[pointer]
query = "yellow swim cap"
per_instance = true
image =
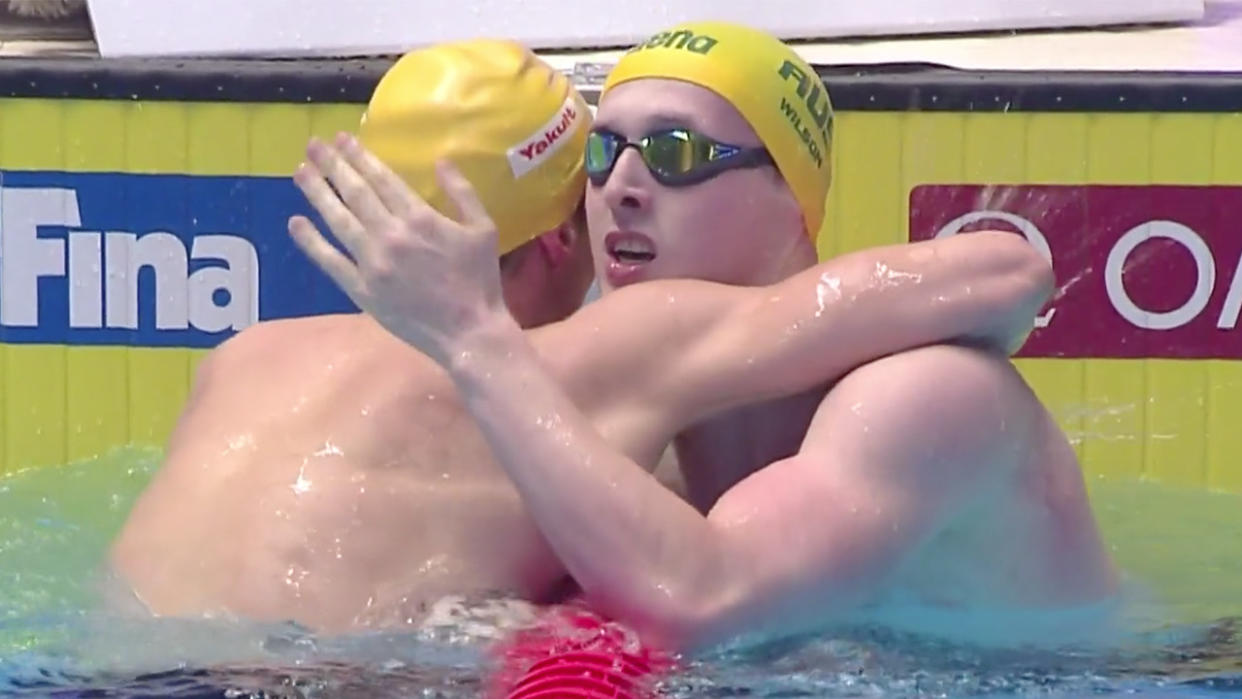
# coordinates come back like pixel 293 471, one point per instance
pixel 778 93
pixel 514 126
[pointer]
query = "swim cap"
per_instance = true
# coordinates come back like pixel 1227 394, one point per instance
pixel 778 93
pixel 515 128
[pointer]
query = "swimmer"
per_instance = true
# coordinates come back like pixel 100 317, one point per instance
pixel 324 472
pixel 833 463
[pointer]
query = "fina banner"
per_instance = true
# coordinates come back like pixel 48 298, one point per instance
pixel 151 260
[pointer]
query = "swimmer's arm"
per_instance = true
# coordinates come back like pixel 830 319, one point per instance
pixel 880 473
pixel 635 549
pixel 827 523
pixel 981 289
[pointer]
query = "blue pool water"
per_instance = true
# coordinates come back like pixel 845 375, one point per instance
pixel 1179 547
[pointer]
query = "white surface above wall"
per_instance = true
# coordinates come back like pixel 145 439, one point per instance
pixel 1212 45
pixel 358 27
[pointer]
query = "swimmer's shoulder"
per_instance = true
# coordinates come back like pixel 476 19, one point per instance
pixel 281 342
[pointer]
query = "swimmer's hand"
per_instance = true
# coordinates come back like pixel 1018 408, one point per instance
pixel 425 277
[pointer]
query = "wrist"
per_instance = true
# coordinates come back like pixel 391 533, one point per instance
pixel 493 336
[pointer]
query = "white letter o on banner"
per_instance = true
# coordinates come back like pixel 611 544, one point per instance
pixel 1205 275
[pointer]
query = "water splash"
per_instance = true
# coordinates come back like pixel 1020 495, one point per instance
pixel 827 291
pixel 889 277
pixel 301 484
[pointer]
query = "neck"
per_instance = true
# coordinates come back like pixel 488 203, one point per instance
pixel 717 454
pixel 781 265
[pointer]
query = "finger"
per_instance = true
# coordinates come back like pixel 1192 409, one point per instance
pixel 345 226
pixel 341 270
pixel 355 191
pixel 396 196
pixel 462 194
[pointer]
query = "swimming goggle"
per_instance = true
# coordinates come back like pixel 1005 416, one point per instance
pixel 675 157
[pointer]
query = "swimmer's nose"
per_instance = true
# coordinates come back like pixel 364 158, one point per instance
pixel 629 184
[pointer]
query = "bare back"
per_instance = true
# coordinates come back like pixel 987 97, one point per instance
pixel 325 472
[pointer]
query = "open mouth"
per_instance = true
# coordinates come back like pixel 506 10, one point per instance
pixel 630 248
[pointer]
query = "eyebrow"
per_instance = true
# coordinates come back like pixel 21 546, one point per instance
pixel 666 119
pixel 660 119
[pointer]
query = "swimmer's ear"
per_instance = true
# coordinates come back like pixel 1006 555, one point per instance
pixel 557 245
pixel 790 210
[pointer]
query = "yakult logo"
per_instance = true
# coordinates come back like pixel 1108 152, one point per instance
pixel 546 140
pixel 1142 271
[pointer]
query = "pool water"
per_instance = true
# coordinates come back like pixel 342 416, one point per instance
pixel 1180 550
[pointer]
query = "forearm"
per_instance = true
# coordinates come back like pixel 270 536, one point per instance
pixel 639 552
pixel 983 289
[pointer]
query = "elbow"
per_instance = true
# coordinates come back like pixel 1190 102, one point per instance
pixel 677 623
pixel 678 628
pixel 1026 274
pixel 1023 283
pixel 1036 277
pixel 700 602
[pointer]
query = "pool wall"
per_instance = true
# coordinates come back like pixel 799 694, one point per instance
pixel 143 208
